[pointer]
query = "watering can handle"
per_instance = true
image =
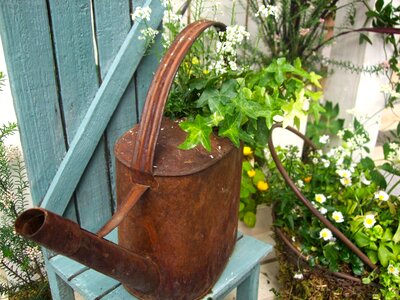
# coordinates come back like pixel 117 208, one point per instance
pixel 306 202
pixel 157 95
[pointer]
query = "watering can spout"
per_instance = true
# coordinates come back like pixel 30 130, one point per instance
pixel 67 238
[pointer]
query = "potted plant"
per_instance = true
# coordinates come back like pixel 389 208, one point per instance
pixel 348 190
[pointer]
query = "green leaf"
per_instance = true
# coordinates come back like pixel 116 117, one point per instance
pixel 250 219
pixel 389 168
pixel 372 255
pixel 396 236
pixel 368 163
pixel 378 179
pixel 384 255
pixel 230 128
pixel 362 240
pixel 198 133
pixel 314 78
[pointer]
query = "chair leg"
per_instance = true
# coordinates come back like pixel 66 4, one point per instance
pixel 248 289
pixel 60 290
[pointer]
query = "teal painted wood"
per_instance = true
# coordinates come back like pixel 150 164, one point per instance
pixel 248 289
pixel 112 23
pixel 74 53
pixel 59 289
pixel 98 115
pixel 93 285
pixel 247 254
pixel 29 56
pixel 242 271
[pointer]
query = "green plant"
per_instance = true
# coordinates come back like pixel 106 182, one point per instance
pixel 20 259
pixel 347 187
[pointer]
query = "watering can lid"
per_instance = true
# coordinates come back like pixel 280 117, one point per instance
pixel 169 160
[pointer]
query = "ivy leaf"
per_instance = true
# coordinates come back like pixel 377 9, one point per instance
pixel 230 128
pixel 367 163
pixel 212 97
pixel 378 179
pixel 198 133
pixel 314 78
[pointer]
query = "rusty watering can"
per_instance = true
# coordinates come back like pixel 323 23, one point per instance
pixel 177 210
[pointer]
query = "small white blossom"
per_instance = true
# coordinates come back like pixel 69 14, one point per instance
pixel 369 221
pixel 298 275
pixel 381 195
pixel 325 234
pixel 320 198
pixel 340 134
pixel 325 162
pixel 142 13
pixel 266 11
pixel 345 181
pixel 323 210
pixel 148 34
pixel 315 160
pixel 233 65
pixel 338 217
pixel 344 173
pixel 300 183
pixel 324 139
pixel 393 270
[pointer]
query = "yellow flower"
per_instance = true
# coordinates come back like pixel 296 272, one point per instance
pixel 247 151
pixel 195 60
pixel 206 72
pixel 307 179
pixel 262 186
pixel 251 173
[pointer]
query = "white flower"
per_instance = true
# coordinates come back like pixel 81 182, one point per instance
pixel 325 162
pixel 381 195
pixel 369 221
pixel 233 65
pixel 323 210
pixel 393 270
pixel 337 216
pixel 344 173
pixel 364 180
pixel 324 139
pixel 320 198
pixel 278 118
pixel 300 183
pixel 315 160
pixel 165 3
pixel 148 34
pixel 345 181
pixel 142 13
pixel 340 134
pixel 298 275
pixel 266 11
pixel 236 34
pixel 325 234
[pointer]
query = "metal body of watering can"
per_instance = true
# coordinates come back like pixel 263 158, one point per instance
pixel 177 210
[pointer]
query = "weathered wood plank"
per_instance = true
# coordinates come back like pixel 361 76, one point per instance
pixel 113 22
pixel 74 52
pixel 98 114
pixel 93 285
pixel 29 56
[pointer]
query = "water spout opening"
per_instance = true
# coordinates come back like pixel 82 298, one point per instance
pixel 30 222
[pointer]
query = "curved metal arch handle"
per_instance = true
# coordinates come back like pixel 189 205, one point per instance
pixel 143 154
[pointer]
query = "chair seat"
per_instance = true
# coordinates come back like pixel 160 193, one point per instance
pixel 93 285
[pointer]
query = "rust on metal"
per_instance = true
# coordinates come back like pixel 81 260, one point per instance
pixel 177 210
pixel 67 238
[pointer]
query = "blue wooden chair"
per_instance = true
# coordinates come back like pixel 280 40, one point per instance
pixel 79 77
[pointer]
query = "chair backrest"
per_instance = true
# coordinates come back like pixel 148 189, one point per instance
pixel 79 76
